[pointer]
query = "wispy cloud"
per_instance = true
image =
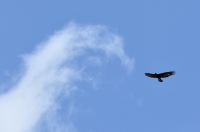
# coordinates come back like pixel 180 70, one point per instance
pixel 51 71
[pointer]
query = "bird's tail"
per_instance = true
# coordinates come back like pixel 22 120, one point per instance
pixel 160 80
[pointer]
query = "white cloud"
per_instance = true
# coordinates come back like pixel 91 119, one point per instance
pixel 51 70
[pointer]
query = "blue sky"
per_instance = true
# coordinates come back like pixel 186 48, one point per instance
pixel 78 66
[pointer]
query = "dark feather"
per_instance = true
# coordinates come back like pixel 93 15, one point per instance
pixel 160 75
pixel 166 74
pixel 151 75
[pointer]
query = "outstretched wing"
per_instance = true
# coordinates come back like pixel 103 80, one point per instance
pixel 166 74
pixel 151 75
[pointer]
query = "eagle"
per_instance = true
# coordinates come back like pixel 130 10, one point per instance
pixel 160 75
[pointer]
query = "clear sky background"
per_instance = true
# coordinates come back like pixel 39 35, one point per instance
pixel 87 75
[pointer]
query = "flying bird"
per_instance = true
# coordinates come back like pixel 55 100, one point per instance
pixel 160 75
